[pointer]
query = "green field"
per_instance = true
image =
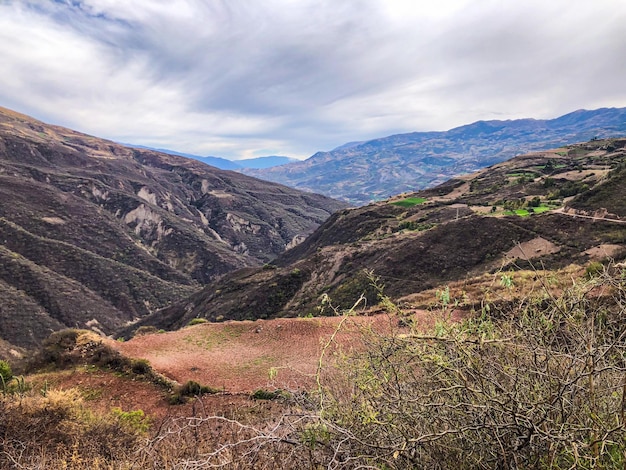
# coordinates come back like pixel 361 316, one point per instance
pixel 410 202
pixel 526 212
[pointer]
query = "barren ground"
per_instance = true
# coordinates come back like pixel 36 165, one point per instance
pixel 245 356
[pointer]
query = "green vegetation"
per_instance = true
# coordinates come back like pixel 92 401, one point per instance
pixel 568 189
pixel 593 269
pixel 135 421
pixel 263 394
pixel 410 202
pixel 197 321
pixel 542 208
pixel 6 375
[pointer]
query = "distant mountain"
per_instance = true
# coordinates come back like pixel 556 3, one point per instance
pixel 265 162
pixel 360 172
pixel 217 162
pixel 94 234
pixel 545 210
pixel 225 164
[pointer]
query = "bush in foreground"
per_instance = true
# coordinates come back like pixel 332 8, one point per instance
pixel 541 386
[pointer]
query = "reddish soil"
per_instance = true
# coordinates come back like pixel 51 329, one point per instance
pixel 104 390
pixel 239 356
pixel 234 356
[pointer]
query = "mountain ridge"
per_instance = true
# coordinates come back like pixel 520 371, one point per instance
pixel 94 234
pixel 361 172
pixel 224 163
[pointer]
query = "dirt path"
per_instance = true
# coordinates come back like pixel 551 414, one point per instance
pixel 561 210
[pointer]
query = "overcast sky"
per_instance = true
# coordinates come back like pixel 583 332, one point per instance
pixel 246 78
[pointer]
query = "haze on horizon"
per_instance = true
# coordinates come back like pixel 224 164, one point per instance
pixel 243 78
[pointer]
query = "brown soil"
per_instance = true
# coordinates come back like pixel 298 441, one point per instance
pixel 532 249
pixel 245 356
pixel 603 251
pixel 103 390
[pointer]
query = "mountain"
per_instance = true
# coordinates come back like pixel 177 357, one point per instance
pixel 361 172
pixel 223 163
pixel 217 162
pixel 546 209
pixel 96 234
pixel 265 162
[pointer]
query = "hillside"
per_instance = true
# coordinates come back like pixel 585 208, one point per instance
pixel 95 234
pixel 361 172
pixel 547 209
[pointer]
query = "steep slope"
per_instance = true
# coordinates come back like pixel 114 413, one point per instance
pixel 93 233
pixel 547 209
pixel 362 172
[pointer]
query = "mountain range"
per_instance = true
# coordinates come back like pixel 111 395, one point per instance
pixel 225 164
pixel 362 172
pixel 95 234
pixel 544 210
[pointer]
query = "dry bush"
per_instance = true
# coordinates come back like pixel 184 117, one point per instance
pixel 72 347
pixel 541 386
pixel 538 384
pixel 55 430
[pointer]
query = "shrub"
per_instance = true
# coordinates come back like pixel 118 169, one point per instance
pixel 190 389
pixel 263 394
pixel 140 367
pixel 135 421
pixel 146 330
pixel 56 430
pixel 6 374
pixel 197 321
pixel 537 386
pixel 593 269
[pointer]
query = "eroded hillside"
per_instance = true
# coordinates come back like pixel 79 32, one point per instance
pixel 95 234
pixel 547 209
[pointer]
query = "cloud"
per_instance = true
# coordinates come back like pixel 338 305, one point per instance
pixel 243 77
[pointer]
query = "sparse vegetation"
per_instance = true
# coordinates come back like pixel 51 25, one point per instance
pixel 263 394
pixel 537 386
pixel 535 383
pixel 146 330
pixel 190 389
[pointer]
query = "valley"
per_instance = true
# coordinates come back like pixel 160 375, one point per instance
pixel 95 235
pixel 194 323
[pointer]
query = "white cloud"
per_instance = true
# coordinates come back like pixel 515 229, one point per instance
pixel 243 77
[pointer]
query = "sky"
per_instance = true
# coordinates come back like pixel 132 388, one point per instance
pixel 248 78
